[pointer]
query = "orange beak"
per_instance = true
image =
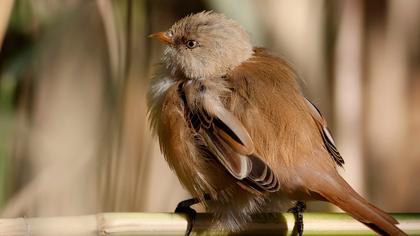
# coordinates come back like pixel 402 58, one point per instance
pixel 162 37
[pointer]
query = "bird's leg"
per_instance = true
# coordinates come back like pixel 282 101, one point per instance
pixel 185 207
pixel 297 211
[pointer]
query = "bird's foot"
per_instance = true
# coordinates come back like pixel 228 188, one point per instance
pixel 297 211
pixel 185 208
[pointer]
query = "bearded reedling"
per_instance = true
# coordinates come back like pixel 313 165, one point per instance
pixel 233 124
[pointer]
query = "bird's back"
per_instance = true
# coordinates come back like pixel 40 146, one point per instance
pixel 272 108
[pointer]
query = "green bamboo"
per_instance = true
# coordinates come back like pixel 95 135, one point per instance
pixel 176 224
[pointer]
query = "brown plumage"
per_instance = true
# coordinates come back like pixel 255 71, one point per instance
pixel 233 123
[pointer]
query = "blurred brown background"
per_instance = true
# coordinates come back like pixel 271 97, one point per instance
pixel 74 136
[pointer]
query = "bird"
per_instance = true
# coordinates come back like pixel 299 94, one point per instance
pixel 236 128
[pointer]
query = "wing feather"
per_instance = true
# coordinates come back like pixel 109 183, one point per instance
pixel 325 133
pixel 228 140
pixel 238 165
pixel 235 150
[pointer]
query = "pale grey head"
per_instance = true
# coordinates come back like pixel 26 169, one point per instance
pixel 204 45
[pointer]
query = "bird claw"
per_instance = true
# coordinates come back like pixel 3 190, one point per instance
pixel 297 211
pixel 184 207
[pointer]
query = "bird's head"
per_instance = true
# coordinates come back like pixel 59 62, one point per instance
pixel 204 45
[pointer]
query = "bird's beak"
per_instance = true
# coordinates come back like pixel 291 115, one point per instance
pixel 162 37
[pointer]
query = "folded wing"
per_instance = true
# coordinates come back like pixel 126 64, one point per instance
pixel 229 141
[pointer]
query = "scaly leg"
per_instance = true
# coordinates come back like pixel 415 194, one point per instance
pixel 297 211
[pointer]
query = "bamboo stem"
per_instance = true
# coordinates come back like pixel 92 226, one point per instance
pixel 176 224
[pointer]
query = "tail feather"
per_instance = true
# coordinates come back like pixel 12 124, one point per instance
pixel 343 196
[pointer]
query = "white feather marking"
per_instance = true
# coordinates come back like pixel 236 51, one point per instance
pixel 314 109
pixel 329 136
pixel 247 166
pixel 160 88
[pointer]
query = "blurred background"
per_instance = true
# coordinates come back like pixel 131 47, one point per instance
pixel 74 135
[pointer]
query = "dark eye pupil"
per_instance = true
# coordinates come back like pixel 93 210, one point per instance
pixel 191 44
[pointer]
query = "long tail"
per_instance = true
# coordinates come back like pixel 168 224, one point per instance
pixel 343 196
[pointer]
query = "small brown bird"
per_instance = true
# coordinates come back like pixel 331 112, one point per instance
pixel 233 124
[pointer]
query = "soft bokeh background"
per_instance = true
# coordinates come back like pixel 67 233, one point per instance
pixel 74 136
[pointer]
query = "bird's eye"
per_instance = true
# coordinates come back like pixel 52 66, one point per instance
pixel 191 44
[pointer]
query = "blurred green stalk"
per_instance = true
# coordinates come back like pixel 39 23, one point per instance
pixel 7 86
